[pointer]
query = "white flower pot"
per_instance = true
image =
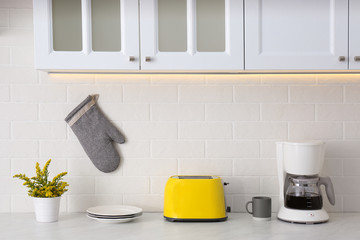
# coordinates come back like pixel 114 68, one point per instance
pixel 47 209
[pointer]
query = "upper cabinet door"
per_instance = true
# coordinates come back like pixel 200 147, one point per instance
pixel 86 34
pixel 354 34
pixel 293 34
pixel 191 34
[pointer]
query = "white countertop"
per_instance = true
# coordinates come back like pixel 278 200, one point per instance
pixel 152 226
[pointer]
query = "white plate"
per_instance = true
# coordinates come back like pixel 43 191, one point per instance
pixel 114 210
pixel 121 220
pixel 115 216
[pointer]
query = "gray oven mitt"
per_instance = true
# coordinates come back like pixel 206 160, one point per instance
pixel 95 134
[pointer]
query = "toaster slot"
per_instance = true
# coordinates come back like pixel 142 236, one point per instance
pixel 194 177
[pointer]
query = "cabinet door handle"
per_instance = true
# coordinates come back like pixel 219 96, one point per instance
pixel 131 59
pixel 147 59
pixel 341 58
pixel 357 58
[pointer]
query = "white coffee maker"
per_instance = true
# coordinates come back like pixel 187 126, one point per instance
pixel 299 166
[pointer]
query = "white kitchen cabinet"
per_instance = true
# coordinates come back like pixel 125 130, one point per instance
pixel 114 35
pixel 191 34
pixel 73 35
pixel 296 35
pixel 354 34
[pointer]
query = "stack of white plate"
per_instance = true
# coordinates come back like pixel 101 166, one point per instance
pixel 114 213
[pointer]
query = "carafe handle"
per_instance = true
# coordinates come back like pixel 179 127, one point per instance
pixel 329 188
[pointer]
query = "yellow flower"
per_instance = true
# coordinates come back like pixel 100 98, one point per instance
pixel 39 186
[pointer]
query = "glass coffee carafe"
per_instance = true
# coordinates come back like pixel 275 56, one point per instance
pixel 303 192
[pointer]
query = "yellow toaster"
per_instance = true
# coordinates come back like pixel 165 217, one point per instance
pixel 194 199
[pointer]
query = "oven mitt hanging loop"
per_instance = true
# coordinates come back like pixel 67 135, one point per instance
pixel 96 134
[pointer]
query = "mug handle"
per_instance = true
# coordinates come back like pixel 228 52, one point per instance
pixel 246 206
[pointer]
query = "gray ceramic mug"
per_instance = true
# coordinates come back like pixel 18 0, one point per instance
pixel 261 208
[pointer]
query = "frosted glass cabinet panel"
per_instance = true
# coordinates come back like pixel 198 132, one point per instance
pixel 210 25
pixel 87 35
pixel 306 34
pixel 105 25
pixel 160 35
pixel 172 25
pixel 191 34
pixel 66 20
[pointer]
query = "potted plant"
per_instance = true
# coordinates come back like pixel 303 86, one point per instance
pixel 46 193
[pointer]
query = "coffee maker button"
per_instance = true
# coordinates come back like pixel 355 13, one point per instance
pixel 311 215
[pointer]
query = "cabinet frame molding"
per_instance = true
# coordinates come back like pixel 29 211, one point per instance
pixel 258 59
pixel 231 59
pixel 87 59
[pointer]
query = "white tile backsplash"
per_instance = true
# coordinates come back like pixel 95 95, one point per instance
pixel 142 130
pixel 269 185
pixel 81 185
pixel 232 112
pixel 21 18
pixel 352 130
pixel 126 112
pixel 261 94
pixel 21 4
pixel 288 79
pixel 255 167
pixel 54 111
pixel 219 124
pixel 17 37
pixel 5 203
pixel 342 149
pixel 18 75
pixel 316 94
pixel 352 94
pixel 216 166
pixel 337 79
pixel 19 148
pixel 150 94
pixel 5 182
pixel 5 169
pixel 121 185
pixel 4 52
pixel 242 185
pixel 177 112
pixel 22 56
pixel 18 111
pixel 205 94
pixel 4 17
pixel 149 202
pixel 38 130
pixel 232 149
pixel 202 130
pixel 351 167
pixel 316 130
pixel 134 148
pixel 351 203
pixel 233 79
pixel 338 112
pixel 177 149
pixel 80 203
pixel 149 166
pixel 84 167
pixel 27 166
pixel 260 130
pixel 157 185
pixel 287 112
pixel 107 93
pixel 4 130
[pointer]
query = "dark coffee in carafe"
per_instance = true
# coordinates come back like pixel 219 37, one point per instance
pixel 303 202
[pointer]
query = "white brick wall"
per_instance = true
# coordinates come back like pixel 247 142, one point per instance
pixel 224 125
